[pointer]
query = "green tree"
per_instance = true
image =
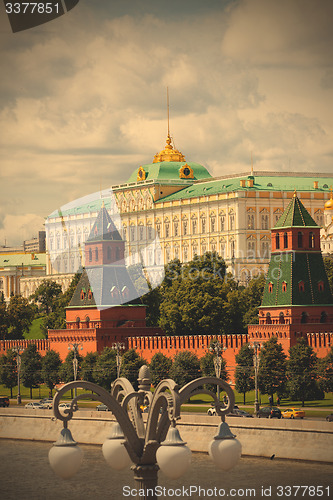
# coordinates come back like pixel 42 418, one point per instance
pixel 88 366
pixel 4 319
pixel 51 364
pixel 244 375
pixel 325 371
pixel 272 368
pixel 46 296
pixel 194 297
pixel 131 365
pixel 31 368
pixel 302 373
pixel 159 368
pixel 251 298
pixel 105 371
pixel 185 367
pixel 20 314
pixel 8 370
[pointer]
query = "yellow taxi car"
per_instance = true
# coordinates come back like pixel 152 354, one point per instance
pixel 293 413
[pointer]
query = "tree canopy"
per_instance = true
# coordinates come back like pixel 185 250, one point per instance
pixel 185 367
pixel 244 375
pixel 272 368
pixel 31 368
pixel 159 368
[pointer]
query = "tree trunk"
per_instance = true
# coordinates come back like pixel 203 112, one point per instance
pixel 244 394
pixel 30 392
pixel 11 393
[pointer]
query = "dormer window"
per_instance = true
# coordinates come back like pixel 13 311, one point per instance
pixel 320 286
pixel 114 292
pixel 301 286
pixel 284 286
pixel 125 292
pixel 270 287
pixel 90 295
pixel 83 293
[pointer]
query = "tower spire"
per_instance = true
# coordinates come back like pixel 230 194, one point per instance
pixel 168 111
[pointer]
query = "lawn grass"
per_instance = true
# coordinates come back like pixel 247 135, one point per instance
pixel 35 331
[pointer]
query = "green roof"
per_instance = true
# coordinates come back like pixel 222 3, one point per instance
pixel 27 259
pixel 295 215
pixel 289 269
pixel 169 170
pixel 267 183
pixel 88 207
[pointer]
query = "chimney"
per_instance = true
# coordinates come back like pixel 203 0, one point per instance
pixel 242 183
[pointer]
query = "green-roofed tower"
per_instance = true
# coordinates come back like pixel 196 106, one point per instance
pixel 297 299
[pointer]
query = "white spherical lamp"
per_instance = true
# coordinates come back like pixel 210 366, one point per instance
pixel 173 456
pixel 225 450
pixel 65 456
pixel 114 450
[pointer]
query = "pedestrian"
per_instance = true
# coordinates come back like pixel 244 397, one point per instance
pixel 270 400
pixel 278 401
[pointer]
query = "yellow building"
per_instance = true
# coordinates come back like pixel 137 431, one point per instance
pixel 173 208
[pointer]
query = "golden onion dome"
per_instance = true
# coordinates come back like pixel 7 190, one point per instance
pixel 168 153
pixel 329 203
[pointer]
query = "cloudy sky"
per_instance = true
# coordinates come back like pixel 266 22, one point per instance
pixel 83 98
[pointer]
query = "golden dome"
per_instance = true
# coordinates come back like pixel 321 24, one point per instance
pixel 168 153
pixel 329 203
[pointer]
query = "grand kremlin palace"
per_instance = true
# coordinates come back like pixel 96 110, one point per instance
pixel 191 212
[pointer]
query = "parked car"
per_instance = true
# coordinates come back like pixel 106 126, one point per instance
pixel 102 407
pixel 329 418
pixel 65 406
pixel 34 406
pixel 293 413
pixel 239 413
pixel 212 411
pixel 269 412
pixel 47 403
pixel 4 401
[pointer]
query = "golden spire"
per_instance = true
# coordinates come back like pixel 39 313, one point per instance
pixel 251 164
pixel 295 193
pixel 169 153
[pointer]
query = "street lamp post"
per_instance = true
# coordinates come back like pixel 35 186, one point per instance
pixel 75 346
pixel 256 347
pixel 118 346
pixel 18 351
pixel 217 349
pixel 151 445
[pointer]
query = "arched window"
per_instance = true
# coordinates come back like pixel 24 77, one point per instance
pixel 323 317
pixel 281 318
pixel 87 321
pixel 109 255
pixel 270 287
pixel 96 253
pixel 268 319
pixel 311 240
pixel 300 239
pixel 90 255
pixel 285 240
pixel 90 294
pixel 82 294
pixel 320 286
pixel 277 240
pixel 117 253
pixel 77 321
pixel 284 286
pixel 304 317
pixel 301 286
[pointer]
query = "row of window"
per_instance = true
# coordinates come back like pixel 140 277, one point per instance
pixel 301 286
pixel 304 318
pixel 110 254
pixel 281 240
